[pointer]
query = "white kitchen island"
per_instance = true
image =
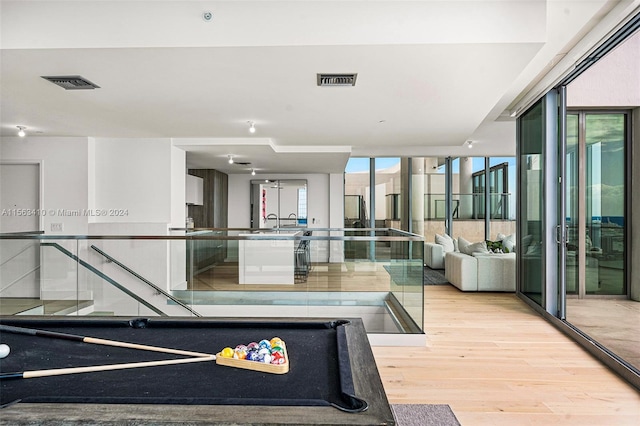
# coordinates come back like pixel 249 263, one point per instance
pixel 267 261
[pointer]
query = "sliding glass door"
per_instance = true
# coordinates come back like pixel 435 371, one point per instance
pixel 595 203
pixel 538 201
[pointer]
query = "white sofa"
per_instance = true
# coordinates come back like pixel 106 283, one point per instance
pixel 434 255
pixel 434 252
pixel 480 271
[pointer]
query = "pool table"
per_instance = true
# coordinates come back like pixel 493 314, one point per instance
pixel 332 377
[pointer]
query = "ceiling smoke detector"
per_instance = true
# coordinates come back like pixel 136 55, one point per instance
pixel 337 79
pixel 71 82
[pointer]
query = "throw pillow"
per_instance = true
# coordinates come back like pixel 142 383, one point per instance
pixel 469 248
pixel 446 242
pixel 463 244
pixel 526 242
pixel 509 243
pixel 480 247
pixel 534 249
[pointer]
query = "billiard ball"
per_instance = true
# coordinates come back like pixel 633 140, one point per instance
pixel 4 350
pixel 252 356
pixel 227 353
pixel 277 358
pixel 276 341
pixel 264 344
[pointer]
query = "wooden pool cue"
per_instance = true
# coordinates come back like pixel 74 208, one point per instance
pixel 96 341
pixel 96 368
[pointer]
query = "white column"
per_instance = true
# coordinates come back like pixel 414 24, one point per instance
pixel 466 188
pixel 417 195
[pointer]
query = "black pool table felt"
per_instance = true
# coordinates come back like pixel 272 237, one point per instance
pixel 313 379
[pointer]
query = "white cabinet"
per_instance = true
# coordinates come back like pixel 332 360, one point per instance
pixel 194 190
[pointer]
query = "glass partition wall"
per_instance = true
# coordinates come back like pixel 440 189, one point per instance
pixel 219 272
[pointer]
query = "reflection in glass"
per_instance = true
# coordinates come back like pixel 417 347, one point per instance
pixel 605 201
pixel 529 236
pixel 277 203
pixel 575 254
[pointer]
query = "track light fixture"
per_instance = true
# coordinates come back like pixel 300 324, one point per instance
pixel 469 144
pixel 253 172
pixel 21 131
pixel 230 159
pixel 252 127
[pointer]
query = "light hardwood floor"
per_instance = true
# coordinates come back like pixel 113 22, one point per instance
pixel 497 362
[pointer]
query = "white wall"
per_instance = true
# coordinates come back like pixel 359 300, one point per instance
pixel 178 187
pixel 133 180
pixel 612 81
pixel 336 215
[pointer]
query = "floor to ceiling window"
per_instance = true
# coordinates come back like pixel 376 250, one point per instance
pixel 396 198
pixel 601 303
pixel 356 193
pixel 469 198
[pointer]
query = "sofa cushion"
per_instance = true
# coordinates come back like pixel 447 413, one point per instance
pixel 469 248
pixel 462 244
pixel 446 242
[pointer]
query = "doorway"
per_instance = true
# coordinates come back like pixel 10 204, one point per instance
pixel 20 213
pixel 19 197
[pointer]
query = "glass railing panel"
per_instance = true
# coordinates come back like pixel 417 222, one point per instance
pixel 141 271
pixel 407 279
pixel 61 293
pixel 199 272
pixel 20 276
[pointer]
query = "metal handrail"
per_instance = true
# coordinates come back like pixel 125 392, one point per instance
pixel 406 236
pixel 105 277
pixel 146 281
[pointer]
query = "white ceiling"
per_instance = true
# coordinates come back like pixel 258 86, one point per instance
pixel 431 74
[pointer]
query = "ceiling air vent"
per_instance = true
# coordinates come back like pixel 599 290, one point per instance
pixel 71 82
pixel 337 79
